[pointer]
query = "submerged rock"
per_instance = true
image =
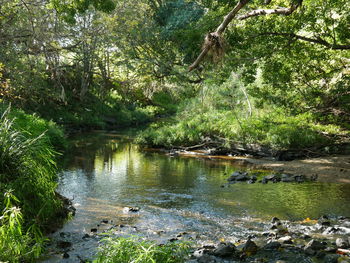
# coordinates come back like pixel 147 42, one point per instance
pixel 63 244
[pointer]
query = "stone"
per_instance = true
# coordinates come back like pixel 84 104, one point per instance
pixel 242 177
pixel 287 178
pixel 274 245
pixel 273 177
pixel 63 244
pixel 330 249
pixel 207 259
pixel 275 220
pixel 131 209
pixel 86 236
pixel 285 240
pixel 314 245
pixel 226 249
pixel 249 247
pixel 342 243
pixel 331 258
pixel 330 230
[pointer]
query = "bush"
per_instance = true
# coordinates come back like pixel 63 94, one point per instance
pixel 124 250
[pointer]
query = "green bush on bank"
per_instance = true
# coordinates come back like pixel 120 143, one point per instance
pixel 28 170
pixel 124 250
pixel 273 129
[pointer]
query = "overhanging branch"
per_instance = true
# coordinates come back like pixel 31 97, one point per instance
pixel 318 40
pixel 208 45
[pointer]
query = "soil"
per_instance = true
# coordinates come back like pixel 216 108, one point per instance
pixel 328 169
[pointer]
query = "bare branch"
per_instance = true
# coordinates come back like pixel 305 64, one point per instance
pixel 277 11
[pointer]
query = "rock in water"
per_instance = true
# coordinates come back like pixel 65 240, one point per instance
pixel 314 245
pixel 63 244
pixel 286 240
pixel 272 245
pixel 226 249
pixel 249 248
pixel 342 243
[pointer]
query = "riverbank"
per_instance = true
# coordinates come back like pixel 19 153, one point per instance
pixel 333 168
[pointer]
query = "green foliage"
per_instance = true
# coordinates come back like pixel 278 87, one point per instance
pixel 220 114
pixel 127 250
pixel 177 15
pixel 69 9
pixel 33 126
pixel 27 167
pixel 16 245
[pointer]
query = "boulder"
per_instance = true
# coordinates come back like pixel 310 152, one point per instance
pixel 287 178
pixel 249 248
pixel 272 245
pixel 285 240
pixel 314 245
pixel 226 249
pixel 342 243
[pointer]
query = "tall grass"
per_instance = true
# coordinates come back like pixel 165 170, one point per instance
pixel 28 171
pixel 132 249
pixel 15 244
pixel 27 166
pixel 225 115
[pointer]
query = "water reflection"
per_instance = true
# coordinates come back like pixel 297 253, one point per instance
pixel 105 172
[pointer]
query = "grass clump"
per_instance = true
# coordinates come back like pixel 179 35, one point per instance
pixel 15 244
pixel 133 249
pixel 28 171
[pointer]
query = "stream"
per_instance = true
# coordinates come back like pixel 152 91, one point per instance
pixel 114 184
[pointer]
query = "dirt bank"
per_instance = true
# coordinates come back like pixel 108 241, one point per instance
pixel 328 169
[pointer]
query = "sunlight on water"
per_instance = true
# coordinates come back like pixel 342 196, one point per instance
pixel 105 173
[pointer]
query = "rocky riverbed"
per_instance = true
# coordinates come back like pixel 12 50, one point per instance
pixel 326 239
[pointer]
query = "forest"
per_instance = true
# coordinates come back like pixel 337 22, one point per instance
pixel 264 78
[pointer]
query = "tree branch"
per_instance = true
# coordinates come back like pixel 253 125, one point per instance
pixel 218 31
pixel 277 11
pixel 211 38
pixel 318 40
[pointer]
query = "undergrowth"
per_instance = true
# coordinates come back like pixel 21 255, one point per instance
pixel 135 250
pixel 16 243
pixel 28 171
pixel 224 115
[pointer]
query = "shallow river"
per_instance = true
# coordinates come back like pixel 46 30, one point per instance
pixel 105 172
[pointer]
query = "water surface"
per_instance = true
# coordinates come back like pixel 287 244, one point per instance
pixel 105 172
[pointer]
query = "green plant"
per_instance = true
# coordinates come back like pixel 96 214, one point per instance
pixel 133 249
pixel 15 244
pixel 27 166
